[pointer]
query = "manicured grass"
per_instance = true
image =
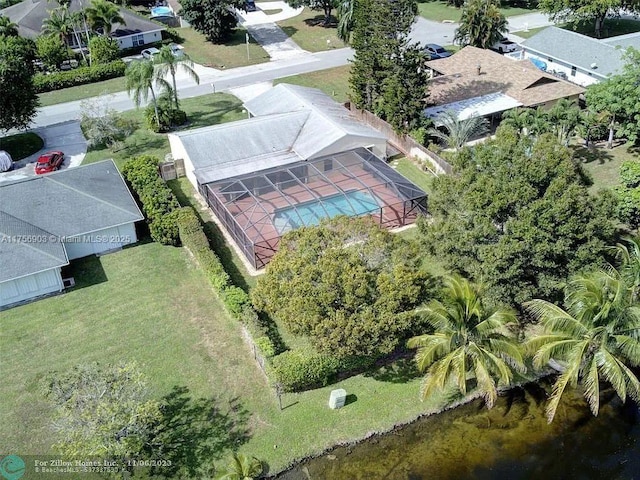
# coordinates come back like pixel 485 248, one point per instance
pixel 529 33
pixel 273 11
pixel 81 92
pixel 603 164
pixel 409 169
pixel 308 31
pixel 230 55
pixel 439 10
pixel 333 81
pixel 201 111
pixel 21 145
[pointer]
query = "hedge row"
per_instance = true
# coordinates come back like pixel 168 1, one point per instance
pixel 159 204
pixel 78 76
pixel 234 298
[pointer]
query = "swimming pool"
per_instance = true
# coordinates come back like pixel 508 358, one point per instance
pixel 310 213
pixel 161 12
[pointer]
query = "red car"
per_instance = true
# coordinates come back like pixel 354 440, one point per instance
pixel 49 162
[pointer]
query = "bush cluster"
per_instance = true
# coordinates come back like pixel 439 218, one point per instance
pixel 159 204
pixel 297 370
pixel 234 298
pixel 78 76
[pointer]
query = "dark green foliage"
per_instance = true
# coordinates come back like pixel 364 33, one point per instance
pixel 296 370
pixel 266 346
pixel 103 50
pixel 325 5
pixel 18 100
pixel 482 24
pixel 561 11
pixel 79 76
pixel 213 18
pixel 158 201
pixel 51 51
pixel 517 217
pixel 628 193
pixel 167 114
pixel 345 284
pixel 171 35
pixel 379 37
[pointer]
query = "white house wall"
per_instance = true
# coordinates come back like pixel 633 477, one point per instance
pixel 580 76
pixel 147 37
pixel 31 286
pixel 100 241
pixel 178 151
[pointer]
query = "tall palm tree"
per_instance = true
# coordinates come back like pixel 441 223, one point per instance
pixel 59 24
pixel 139 81
pixel 481 24
pixel 168 64
pixel 241 467
pixel 519 119
pixel 458 132
pixel 7 27
pixel 596 338
pixel 471 346
pixel 345 19
pixel 564 118
pixel 102 15
pixel 628 254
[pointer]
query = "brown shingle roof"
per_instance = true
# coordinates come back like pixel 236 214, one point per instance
pixel 518 79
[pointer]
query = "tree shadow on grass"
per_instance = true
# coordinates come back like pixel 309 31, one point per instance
pixel 594 154
pixel 402 370
pixel 210 114
pixel 193 433
pixel 318 21
pixel 135 146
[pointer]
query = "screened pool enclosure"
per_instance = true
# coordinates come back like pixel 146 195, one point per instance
pixel 258 208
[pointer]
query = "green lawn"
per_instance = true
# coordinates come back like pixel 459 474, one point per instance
pixel 307 30
pixel 439 10
pixel 201 111
pixel 604 165
pixel 21 145
pixel 409 169
pixel 333 81
pixel 81 92
pixel 230 55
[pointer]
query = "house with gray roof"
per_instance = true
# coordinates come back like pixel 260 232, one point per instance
pixel 48 220
pixel 29 15
pixel 290 123
pixel 583 59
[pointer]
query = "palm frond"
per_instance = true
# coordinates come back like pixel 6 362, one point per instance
pixel 592 387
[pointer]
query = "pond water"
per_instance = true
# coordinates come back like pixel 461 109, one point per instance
pixel 511 441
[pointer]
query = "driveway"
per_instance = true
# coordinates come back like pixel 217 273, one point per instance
pixel 66 137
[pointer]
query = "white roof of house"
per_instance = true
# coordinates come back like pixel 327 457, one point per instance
pixel 476 107
pixel 291 124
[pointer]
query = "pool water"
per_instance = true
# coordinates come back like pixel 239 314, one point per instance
pixel 161 12
pixel 311 213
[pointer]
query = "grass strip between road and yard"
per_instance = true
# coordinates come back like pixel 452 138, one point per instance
pixel 332 81
pixel 442 11
pixel 308 31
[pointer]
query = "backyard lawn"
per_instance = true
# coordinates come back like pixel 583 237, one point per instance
pixel 150 304
pixel 409 169
pixel 439 10
pixel 333 81
pixel 201 111
pixel 307 30
pixel 230 55
pixel 604 165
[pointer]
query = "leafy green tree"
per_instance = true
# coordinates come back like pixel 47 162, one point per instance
pixel 19 100
pixel 346 284
pixel 51 51
pixel 325 5
pixel 241 467
pixel 619 98
pixel 213 18
pixel 380 35
pixel 140 78
pixel 518 217
pixel 345 19
pixel 103 50
pixel 458 132
pixel 596 337
pixel 7 27
pixel 404 96
pixel 519 119
pixel 482 24
pixel 471 346
pixel 628 255
pixel 103 15
pixel 169 64
pixel 563 11
pixel 102 411
pixel 59 24
pixel 628 193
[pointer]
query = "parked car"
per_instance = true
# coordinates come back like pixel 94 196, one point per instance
pixel 49 162
pixel 505 46
pixel 436 51
pixel 149 53
pixel 250 5
pixel 6 163
pixel 176 49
